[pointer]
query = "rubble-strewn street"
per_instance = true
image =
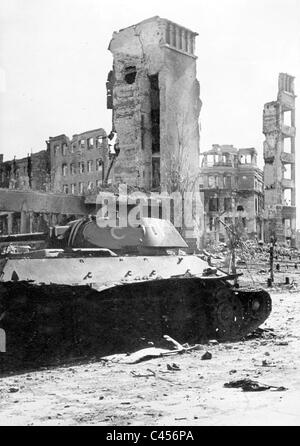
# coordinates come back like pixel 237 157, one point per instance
pixel 181 390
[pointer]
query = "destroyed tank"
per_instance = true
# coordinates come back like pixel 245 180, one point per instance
pixel 100 290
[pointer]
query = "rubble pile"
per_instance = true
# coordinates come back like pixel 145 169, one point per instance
pixel 253 261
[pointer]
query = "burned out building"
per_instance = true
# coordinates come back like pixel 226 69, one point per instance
pixel 26 176
pixel 232 187
pixel 79 165
pixel 29 173
pixel 279 163
pixel 154 95
pixel 35 191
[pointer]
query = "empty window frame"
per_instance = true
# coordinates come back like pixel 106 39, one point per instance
pixel 227 182
pixel 81 188
pixel 90 143
pixel 130 75
pixel 81 167
pixel 90 186
pixel 72 169
pixel 287 197
pixel 64 149
pixel 210 160
pixel 287 171
pixel 287 145
pixel 213 204
pixel 227 204
pixel 99 141
pixel 99 165
pixel 211 181
pixel 89 166
pixel 64 170
pixel 287 118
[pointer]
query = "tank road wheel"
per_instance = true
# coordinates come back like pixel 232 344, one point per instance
pixel 227 315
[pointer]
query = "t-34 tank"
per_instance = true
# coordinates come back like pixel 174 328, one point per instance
pixel 96 291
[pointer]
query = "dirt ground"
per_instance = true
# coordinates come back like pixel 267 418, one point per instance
pixel 109 394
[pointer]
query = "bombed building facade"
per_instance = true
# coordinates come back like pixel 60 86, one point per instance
pixel 154 95
pixel 32 172
pixel 232 186
pixel 79 165
pixel 279 163
pixel 50 187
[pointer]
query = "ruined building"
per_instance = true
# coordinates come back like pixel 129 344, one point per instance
pixel 29 173
pixel 279 163
pixel 154 95
pixel 232 187
pixel 79 165
pixel 51 187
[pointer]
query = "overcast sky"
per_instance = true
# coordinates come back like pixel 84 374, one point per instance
pixel 54 63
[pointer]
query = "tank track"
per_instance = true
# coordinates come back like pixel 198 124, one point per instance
pixel 234 313
pixel 48 324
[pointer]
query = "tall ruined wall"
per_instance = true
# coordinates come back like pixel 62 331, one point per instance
pixel 279 169
pixel 156 102
pixel 180 114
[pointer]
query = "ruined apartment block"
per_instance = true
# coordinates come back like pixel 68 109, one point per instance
pixel 232 187
pixel 154 95
pixel 79 165
pixel 279 163
pixel 29 173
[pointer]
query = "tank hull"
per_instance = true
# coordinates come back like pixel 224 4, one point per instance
pixel 112 305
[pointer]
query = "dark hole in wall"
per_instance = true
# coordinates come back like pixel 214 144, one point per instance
pixel 155 172
pixel 227 204
pixel 155 113
pixel 110 89
pixel 240 208
pixel 213 204
pixel 130 75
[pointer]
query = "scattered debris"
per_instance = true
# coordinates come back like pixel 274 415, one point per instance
pixel 13 390
pixel 206 356
pixel 266 363
pixel 248 385
pixel 261 333
pixel 173 367
pixel 146 354
pixel 140 375
pixel 174 342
